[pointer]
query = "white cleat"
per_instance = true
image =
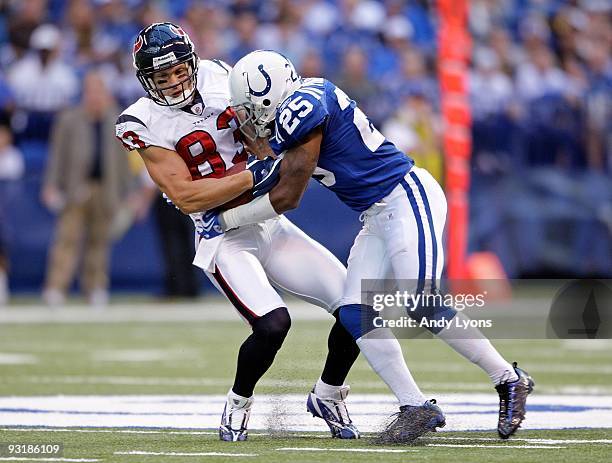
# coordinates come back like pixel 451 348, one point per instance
pixel 235 418
pixel 333 411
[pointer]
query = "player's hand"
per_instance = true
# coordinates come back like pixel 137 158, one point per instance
pixel 265 173
pixel 208 225
pixel 259 147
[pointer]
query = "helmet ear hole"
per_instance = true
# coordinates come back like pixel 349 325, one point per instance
pixel 266 102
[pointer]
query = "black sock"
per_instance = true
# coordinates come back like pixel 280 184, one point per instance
pixel 259 349
pixel 342 353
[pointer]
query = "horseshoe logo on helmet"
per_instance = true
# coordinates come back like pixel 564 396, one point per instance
pixel 261 69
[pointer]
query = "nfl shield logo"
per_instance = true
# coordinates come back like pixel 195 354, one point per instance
pixel 197 109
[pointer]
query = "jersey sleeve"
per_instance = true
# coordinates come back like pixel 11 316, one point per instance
pixel 133 132
pixel 299 115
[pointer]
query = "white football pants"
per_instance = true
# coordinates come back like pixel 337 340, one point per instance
pixel 401 238
pixel 255 260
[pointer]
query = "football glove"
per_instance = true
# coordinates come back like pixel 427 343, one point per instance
pixel 265 173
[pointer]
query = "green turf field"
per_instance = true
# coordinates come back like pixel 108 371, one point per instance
pixel 207 351
pixel 197 357
pixel 546 446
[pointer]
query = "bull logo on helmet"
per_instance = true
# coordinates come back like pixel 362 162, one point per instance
pixel 138 44
pixel 177 30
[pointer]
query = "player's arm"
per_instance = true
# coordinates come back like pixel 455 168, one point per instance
pixel 296 168
pixel 259 147
pixel 172 176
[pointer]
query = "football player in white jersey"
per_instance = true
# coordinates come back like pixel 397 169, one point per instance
pixel 188 137
pixel 322 133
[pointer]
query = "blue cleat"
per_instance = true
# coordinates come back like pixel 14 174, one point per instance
pixel 333 411
pixel 512 401
pixel 411 422
pixel 235 418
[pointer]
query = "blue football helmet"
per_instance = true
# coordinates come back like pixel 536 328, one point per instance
pixel 159 47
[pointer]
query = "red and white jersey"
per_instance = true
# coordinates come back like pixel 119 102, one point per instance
pixel 204 133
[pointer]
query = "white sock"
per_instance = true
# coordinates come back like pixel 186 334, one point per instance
pixel 472 344
pixel 327 391
pixel 384 354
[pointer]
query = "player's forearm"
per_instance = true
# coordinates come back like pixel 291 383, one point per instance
pixel 260 147
pixel 293 182
pixel 297 168
pixel 283 197
pixel 287 197
pixel 256 211
pixel 206 194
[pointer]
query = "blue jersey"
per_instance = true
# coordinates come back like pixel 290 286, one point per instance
pixel 356 161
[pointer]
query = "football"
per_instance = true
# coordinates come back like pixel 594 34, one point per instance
pixel 245 197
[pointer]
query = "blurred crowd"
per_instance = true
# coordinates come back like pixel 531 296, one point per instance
pixel 540 77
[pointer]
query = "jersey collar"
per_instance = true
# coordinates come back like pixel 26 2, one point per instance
pixel 196 107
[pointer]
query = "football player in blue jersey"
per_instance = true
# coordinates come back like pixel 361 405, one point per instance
pixel 320 132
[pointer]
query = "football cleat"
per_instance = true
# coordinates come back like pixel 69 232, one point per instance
pixel 411 422
pixel 235 418
pixel 512 399
pixel 333 411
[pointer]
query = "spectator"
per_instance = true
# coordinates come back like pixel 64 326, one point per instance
pixel 413 75
pixel 87 177
pixel 493 113
pixel 285 36
pixel 355 80
pixel 396 33
pixel 416 130
pixel 312 64
pixel 115 20
pixel 7 102
pixel 208 27
pixel 245 38
pixel 41 83
pixel 507 51
pixel 320 18
pixel 599 108
pixel 27 16
pixel 539 76
pixel 490 89
pixel 11 170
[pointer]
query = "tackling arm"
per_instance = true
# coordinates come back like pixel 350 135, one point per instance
pixel 172 176
pixel 297 167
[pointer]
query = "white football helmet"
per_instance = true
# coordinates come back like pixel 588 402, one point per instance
pixel 259 83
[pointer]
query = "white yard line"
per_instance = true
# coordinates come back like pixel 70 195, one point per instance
pixel 528 439
pixel 84 460
pixel 185 454
pixel 467 446
pixel 13 358
pixel 317 449
pixel 113 431
pixel 434 387
pixel 205 309
pixel 201 413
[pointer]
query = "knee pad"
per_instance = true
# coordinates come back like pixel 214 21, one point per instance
pixel 357 319
pixel 273 326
